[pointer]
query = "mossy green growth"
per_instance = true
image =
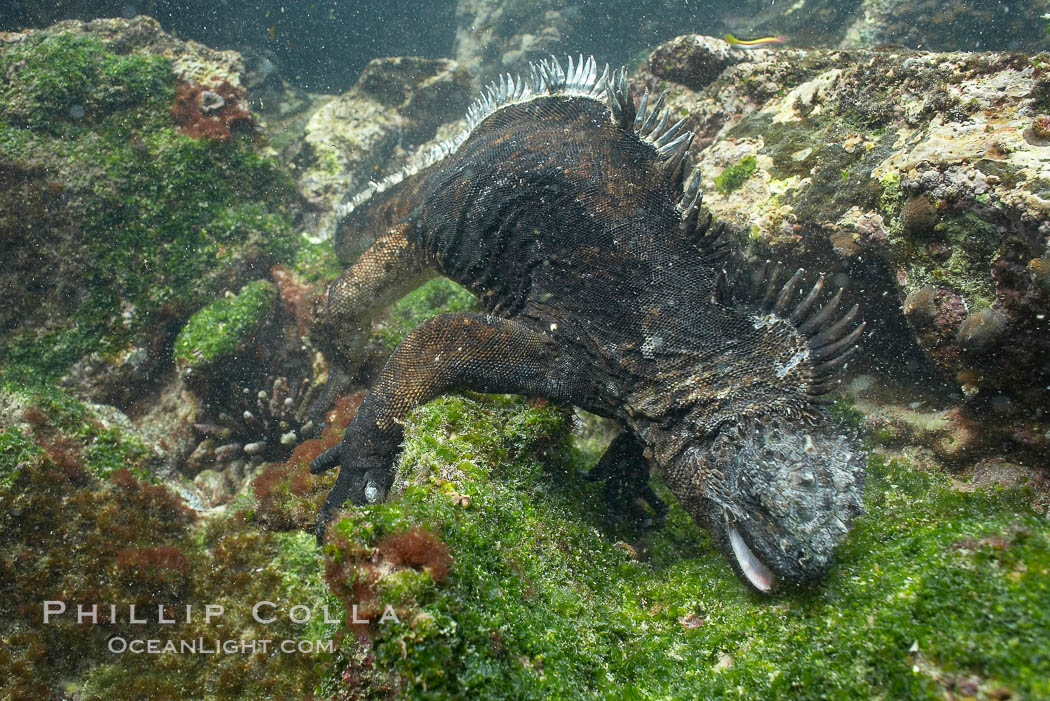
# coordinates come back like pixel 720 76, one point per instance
pixel 933 585
pixel 317 262
pixel 846 413
pixel 61 78
pixel 434 297
pixel 974 243
pixel 892 196
pixel 68 423
pixel 16 450
pixel 959 256
pixel 163 222
pixel 217 330
pixel 736 175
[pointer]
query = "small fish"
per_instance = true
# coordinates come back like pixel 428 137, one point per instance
pixel 753 43
pixel 272 31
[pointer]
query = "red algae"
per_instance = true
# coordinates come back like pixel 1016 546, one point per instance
pixel 296 296
pixel 213 112
pixel 287 495
pixel 419 549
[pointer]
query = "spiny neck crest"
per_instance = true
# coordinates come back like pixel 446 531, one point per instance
pixel 549 78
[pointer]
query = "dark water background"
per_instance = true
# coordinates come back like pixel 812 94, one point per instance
pixel 322 45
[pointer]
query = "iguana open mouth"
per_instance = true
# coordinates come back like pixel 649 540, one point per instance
pixel 760 576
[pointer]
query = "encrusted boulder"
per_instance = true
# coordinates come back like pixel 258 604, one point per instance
pixel 132 192
pixel 946 26
pixel 397 103
pixel 494 36
pixel 961 25
pixel 223 332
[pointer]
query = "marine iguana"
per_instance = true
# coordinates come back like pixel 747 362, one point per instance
pixel 568 212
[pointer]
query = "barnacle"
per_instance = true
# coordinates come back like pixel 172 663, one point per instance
pixel 918 216
pixel 1041 126
pixel 980 330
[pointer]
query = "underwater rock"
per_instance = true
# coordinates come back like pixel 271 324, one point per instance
pixel 997 472
pixel 113 379
pixel 951 26
pixel 543 560
pixel 350 140
pixel 214 488
pixel 692 60
pixel 136 224
pixel 224 331
pixel 515 32
pixel 85 522
pixel 961 25
pixel 269 92
pixel 427 92
pixel 190 60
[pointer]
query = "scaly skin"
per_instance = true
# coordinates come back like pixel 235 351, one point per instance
pixel 567 216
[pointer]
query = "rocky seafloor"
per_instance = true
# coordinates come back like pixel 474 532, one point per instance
pixel 159 271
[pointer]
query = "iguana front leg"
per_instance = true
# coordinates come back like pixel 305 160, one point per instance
pixel 447 352
pixel 391 267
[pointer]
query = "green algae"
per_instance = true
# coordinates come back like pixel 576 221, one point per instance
pixel 934 586
pixel 846 413
pixel 16 451
pixel 959 256
pixel 56 80
pixel 436 296
pixel 891 197
pixel 317 262
pixel 734 176
pixel 219 329
pixel 164 222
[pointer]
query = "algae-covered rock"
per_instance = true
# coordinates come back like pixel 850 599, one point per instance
pixel 494 36
pixel 224 329
pixel 120 219
pixel 507 581
pixel 397 102
pixel 952 26
pixel 87 524
pixel 493 572
pixel 962 25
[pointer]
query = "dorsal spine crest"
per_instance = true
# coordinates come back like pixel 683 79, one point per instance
pixel 548 78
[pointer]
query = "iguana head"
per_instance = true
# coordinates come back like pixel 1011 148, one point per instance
pixel 777 495
pixel 750 454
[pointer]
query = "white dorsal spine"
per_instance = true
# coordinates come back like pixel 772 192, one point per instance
pixel 547 77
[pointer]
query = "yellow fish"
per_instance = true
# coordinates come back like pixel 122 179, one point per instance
pixel 752 43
